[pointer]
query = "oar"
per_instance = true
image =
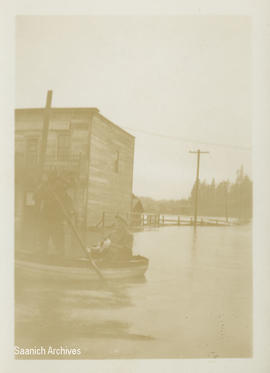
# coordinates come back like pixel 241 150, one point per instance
pixel 88 255
pixel 77 234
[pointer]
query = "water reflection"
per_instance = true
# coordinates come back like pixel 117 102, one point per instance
pixel 194 239
pixel 195 303
pixel 49 312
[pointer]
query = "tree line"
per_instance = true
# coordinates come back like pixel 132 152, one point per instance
pixel 223 199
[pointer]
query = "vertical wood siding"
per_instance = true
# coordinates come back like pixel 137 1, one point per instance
pixel 109 191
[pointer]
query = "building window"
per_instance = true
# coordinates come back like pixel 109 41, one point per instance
pixel 63 147
pixel 116 162
pixel 31 151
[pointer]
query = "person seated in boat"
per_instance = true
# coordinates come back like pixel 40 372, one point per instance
pixel 50 195
pixel 118 244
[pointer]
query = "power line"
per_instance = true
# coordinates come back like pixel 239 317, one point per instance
pixel 186 139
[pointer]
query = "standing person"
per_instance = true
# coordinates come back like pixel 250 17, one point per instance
pixel 51 215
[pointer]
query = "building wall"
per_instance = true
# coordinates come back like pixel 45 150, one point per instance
pixel 109 189
pixel 95 145
pixel 28 124
pixel 75 125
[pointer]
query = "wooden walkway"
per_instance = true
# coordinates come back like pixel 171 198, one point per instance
pixel 160 220
pixel 178 220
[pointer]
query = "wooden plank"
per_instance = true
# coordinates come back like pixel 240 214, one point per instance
pixel 28 125
pixel 59 125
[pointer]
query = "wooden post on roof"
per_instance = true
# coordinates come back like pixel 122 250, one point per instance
pixel 45 130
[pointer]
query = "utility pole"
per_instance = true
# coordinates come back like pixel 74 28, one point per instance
pixel 45 130
pixel 198 152
pixel 226 202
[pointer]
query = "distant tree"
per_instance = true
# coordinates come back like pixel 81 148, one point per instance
pixel 225 198
pixel 215 199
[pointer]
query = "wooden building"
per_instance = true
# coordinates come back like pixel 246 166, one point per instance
pixel 94 152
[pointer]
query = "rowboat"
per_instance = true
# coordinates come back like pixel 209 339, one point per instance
pixel 55 268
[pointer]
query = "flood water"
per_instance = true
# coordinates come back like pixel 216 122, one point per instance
pixel 195 302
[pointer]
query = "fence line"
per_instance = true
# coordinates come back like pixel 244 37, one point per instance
pixel 158 220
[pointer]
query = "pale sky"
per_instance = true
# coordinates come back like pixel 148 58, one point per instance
pixel 186 77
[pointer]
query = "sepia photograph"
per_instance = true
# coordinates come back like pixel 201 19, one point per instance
pixel 133 187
